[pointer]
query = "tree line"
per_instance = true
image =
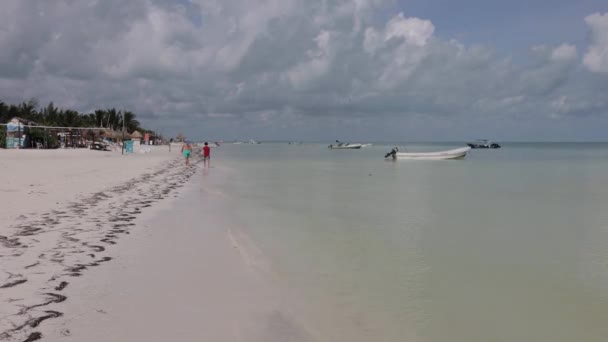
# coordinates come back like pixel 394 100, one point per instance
pixel 54 116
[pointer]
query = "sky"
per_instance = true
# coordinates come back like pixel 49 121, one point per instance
pixel 317 70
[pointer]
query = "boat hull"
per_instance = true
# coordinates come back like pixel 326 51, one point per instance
pixel 346 147
pixel 483 146
pixel 458 153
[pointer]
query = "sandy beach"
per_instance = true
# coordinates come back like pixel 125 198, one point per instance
pixel 39 180
pixel 63 213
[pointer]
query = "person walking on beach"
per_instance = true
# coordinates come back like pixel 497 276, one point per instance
pixel 186 150
pixel 206 155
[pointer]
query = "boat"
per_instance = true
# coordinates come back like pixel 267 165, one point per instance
pixel 366 145
pixel 483 143
pixel 345 146
pixel 458 153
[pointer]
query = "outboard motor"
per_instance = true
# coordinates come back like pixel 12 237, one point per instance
pixel 392 153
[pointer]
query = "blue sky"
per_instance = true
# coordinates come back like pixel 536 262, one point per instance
pixel 510 26
pixel 319 69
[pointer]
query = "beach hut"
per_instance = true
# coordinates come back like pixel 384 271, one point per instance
pixel 111 135
pixel 17 132
pixel 136 135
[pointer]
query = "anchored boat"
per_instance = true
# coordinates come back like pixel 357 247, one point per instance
pixel 344 146
pixel 441 155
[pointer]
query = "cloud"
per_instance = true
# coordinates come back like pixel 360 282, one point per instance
pixel 564 52
pixel 596 58
pixel 258 64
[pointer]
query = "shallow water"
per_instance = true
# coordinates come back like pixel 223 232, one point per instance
pixel 506 245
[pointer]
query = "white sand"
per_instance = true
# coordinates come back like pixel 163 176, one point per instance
pixel 61 212
pixel 38 180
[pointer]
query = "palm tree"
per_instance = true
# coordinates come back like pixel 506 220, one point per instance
pixel 71 118
pixel 130 123
pixel 27 110
pixel 112 119
pixel 99 117
pixel 49 115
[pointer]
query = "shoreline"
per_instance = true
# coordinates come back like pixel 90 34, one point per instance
pixel 179 277
pixel 61 235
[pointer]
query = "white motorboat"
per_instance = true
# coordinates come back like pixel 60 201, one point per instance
pixel 441 155
pixel 345 146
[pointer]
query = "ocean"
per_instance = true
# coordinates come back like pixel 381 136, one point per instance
pixel 505 245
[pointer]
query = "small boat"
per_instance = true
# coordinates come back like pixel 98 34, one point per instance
pixel 458 153
pixel 483 143
pixel 345 146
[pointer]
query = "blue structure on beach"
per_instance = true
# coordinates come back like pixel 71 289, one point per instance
pixel 128 146
pixel 16 133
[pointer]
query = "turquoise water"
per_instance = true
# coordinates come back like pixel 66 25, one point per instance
pixel 506 245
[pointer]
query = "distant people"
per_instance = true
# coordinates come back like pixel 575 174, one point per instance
pixel 187 150
pixel 206 155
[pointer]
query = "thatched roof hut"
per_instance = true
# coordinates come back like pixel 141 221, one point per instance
pixel 136 135
pixel 110 134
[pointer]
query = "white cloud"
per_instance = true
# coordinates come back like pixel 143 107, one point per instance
pixel 564 53
pixel 412 31
pixel 317 65
pixel 596 58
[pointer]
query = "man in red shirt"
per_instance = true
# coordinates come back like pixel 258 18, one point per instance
pixel 206 155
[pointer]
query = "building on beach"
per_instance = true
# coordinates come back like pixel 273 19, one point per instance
pixel 18 133
pixel 136 135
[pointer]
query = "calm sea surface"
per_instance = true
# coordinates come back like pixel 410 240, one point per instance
pixel 505 245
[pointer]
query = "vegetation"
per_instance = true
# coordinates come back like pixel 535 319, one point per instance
pixel 53 116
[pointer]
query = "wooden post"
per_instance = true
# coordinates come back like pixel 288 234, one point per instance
pixel 123 133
